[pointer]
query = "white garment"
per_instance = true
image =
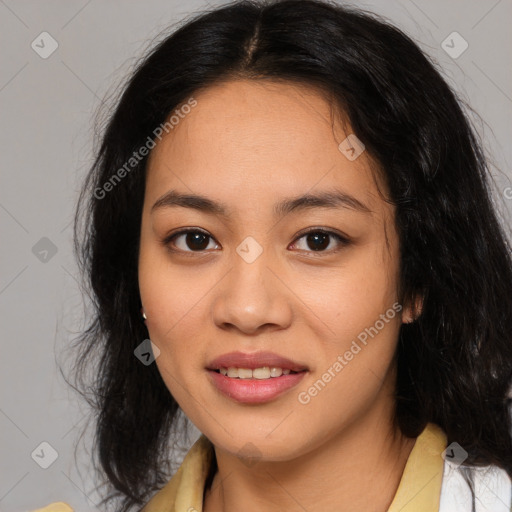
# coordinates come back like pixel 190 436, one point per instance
pixel 492 486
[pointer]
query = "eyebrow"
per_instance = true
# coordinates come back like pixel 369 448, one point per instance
pixel 325 199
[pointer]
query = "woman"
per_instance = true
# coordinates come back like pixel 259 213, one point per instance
pixel 290 203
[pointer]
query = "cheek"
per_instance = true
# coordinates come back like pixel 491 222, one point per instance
pixel 167 291
pixel 352 296
pixel 354 371
pixel 173 302
pixel 173 311
pixel 176 324
pixel 357 311
pixel 174 298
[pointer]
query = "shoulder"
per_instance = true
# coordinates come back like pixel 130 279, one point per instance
pixel 491 485
pixel 58 506
pixel 187 484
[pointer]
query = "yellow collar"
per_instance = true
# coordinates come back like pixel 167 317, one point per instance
pixel 419 489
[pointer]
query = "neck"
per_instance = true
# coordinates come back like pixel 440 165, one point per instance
pixel 358 468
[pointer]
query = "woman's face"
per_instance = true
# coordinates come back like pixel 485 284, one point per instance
pixel 253 281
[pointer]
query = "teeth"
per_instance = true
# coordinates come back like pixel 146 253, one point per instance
pixel 261 373
pixel 232 372
pixel 276 372
pixel 244 373
pixel 265 372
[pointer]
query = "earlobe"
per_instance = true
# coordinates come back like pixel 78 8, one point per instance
pixel 143 314
pixel 412 313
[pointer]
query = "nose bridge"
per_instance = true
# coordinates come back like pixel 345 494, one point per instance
pixel 250 296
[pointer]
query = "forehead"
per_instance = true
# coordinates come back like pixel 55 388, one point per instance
pixel 259 139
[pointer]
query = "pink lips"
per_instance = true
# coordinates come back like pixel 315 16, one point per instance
pixel 254 391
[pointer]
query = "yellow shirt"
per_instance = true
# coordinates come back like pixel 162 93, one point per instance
pixel 419 489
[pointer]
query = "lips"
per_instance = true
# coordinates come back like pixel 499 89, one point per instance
pixel 254 360
pixel 254 391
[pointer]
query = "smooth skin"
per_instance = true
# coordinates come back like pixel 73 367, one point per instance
pixel 249 144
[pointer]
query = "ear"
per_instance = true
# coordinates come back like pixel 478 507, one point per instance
pixel 411 312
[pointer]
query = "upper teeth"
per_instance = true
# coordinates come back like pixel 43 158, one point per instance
pixel 258 373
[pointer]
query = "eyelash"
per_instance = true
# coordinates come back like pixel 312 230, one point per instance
pixel 343 241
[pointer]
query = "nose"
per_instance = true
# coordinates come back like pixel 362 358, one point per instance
pixel 252 299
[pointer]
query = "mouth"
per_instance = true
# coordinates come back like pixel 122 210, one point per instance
pixel 262 373
pixel 254 390
pixel 254 378
pixel 238 364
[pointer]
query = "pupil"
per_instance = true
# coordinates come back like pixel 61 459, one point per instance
pixel 197 241
pixel 320 241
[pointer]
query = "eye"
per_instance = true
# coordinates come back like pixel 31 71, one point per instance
pixel 193 239
pixel 318 240
pixel 196 240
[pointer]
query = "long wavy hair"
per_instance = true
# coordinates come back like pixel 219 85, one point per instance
pixel 454 362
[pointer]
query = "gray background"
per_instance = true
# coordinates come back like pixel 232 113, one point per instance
pixel 47 111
